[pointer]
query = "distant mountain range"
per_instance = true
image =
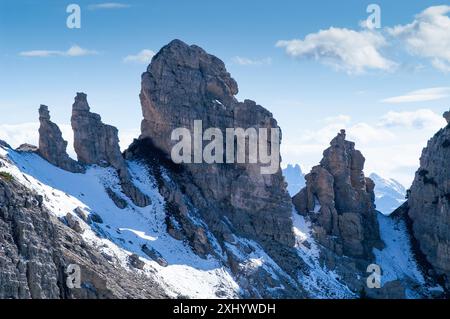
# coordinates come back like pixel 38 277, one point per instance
pixel 295 178
pixel 389 194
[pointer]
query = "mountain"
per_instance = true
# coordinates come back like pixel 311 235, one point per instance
pixel 389 194
pixel 140 224
pixel 339 202
pixel 294 178
pixel 427 209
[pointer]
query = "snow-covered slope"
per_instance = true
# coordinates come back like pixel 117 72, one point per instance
pixel 294 178
pixel 123 232
pixel 397 260
pixel 389 194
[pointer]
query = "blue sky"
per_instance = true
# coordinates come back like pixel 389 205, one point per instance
pixel 389 98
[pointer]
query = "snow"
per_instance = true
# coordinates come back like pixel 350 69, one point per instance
pixel 389 194
pixel 124 230
pixel 319 281
pixel 396 259
pixel 317 206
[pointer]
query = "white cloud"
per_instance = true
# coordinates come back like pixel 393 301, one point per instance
pixel 339 119
pixel 108 6
pixel 428 36
pixel 344 49
pixel 143 57
pixel 423 95
pixel 419 119
pixel 252 62
pixel 73 51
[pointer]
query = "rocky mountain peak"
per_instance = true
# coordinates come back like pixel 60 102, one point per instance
pixel 184 84
pixel 340 202
pixel 81 103
pixel 447 116
pixel 52 146
pixel 98 143
pixel 44 113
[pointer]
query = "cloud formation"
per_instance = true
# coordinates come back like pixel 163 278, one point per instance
pixel 428 36
pixel 352 51
pixel 73 51
pixel 419 119
pixel 143 57
pixel 423 95
pixel 348 50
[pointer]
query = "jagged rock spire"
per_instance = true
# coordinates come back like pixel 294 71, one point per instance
pixel 98 143
pixel 341 201
pixel 184 83
pixel 52 146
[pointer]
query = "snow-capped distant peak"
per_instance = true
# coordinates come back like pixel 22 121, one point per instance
pixel 389 193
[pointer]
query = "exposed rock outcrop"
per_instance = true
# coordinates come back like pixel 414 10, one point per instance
pixel 36 249
pixel 339 201
pixel 183 84
pixel 447 116
pixel 27 148
pixel 98 143
pixel 342 200
pixel 428 203
pixel 52 146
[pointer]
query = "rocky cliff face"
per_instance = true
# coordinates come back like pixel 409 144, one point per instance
pixel 183 84
pixel 37 248
pixel 428 202
pixel 339 200
pixel 52 146
pixel 98 143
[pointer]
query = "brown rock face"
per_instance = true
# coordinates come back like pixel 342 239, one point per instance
pixel 429 202
pixel 98 143
pixel 52 146
pixel 183 84
pixel 340 201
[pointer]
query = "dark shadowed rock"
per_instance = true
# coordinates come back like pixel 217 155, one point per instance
pixel 52 146
pixel 98 143
pixel 4 144
pixel 429 202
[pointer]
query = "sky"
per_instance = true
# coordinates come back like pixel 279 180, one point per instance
pixel 318 66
